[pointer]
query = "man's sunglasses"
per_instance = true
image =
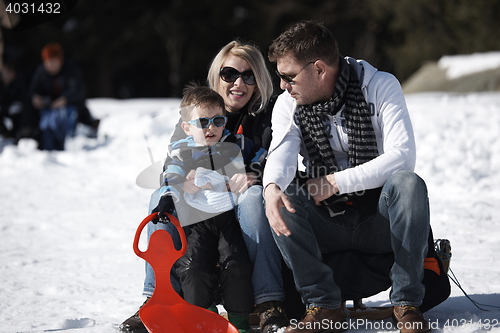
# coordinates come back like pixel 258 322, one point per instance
pixel 289 78
pixel 229 74
pixel 203 122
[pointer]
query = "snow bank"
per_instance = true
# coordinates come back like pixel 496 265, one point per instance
pixel 461 65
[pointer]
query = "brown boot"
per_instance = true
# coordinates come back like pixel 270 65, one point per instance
pixel 134 323
pixel 408 319
pixel 271 316
pixel 319 320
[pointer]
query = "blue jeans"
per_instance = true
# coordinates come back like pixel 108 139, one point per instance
pixel 55 125
pixel 149 280
pixel 401 225
pixel 267 281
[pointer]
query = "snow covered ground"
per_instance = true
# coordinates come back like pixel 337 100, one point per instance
pixel 67 219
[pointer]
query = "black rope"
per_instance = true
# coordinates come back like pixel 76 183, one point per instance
pixel 452 276
pixel 477 304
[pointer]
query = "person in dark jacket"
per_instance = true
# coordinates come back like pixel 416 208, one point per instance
pixel 57 92
pixel 13 100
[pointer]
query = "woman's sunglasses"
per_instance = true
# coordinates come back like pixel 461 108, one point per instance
pixel 203 122
pixel 229 74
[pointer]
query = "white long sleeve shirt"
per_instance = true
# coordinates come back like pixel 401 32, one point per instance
pixel 391 123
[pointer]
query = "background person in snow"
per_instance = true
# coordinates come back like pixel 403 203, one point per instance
pixel 248 107
pixel 57 87
pixel 351 125
pixel 13 100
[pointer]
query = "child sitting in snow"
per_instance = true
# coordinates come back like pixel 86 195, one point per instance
pixel 196 177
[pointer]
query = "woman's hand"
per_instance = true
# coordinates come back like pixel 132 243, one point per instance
pixel 240 182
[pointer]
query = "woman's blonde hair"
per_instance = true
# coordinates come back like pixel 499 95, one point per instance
pixel 253 56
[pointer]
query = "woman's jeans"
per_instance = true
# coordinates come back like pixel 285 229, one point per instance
pixel 401 225
pixel 267 281
pixel 149 280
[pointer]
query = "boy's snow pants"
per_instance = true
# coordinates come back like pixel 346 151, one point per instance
pixel 217 260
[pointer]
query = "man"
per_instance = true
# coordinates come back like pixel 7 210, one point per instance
pixel 351 125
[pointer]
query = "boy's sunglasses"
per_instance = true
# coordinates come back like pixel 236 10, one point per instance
pixel 203 122
pixel 229 74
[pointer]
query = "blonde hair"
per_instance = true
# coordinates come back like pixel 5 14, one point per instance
pixel 253 56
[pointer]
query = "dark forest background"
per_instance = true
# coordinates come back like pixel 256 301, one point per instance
pixel 152 48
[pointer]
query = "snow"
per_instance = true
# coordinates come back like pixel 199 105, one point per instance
pixel 68 219
pixel 460 65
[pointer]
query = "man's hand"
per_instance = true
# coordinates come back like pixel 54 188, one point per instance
pixel 59 102
pixel 322 188
pixel 275 199
pixel 240 182
pixel 37 101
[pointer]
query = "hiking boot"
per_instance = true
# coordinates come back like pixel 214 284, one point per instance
pixel 408 319
pixel 240 322
pixel 271 316
pixel 321 320
pixel 134 323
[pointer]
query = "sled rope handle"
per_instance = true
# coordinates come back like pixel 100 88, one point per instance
pixel 447 256
pixel 477 304
pixel 150 218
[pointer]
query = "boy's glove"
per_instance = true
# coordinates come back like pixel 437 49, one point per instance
pixel 166 205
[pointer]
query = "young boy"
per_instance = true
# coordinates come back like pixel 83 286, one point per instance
pixel 216 256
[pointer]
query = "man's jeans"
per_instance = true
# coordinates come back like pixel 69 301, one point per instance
pixel 401 225
pixel 267 281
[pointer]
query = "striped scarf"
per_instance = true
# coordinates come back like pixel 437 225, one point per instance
pixel 361 136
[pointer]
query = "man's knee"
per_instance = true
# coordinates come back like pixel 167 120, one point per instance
pixel 297 194
pixel 408 182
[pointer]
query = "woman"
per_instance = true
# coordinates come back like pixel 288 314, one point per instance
pixel 239 74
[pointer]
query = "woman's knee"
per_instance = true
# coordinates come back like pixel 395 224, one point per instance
pixel 251 197
pixel 251 213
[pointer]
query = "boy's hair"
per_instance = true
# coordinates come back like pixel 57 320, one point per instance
pixel 306 41
pixel 195 95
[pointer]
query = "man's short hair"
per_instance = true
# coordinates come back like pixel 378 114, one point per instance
pixel 306 41
pixel 195 95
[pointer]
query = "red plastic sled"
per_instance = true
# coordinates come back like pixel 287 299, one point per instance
pixel 166 311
